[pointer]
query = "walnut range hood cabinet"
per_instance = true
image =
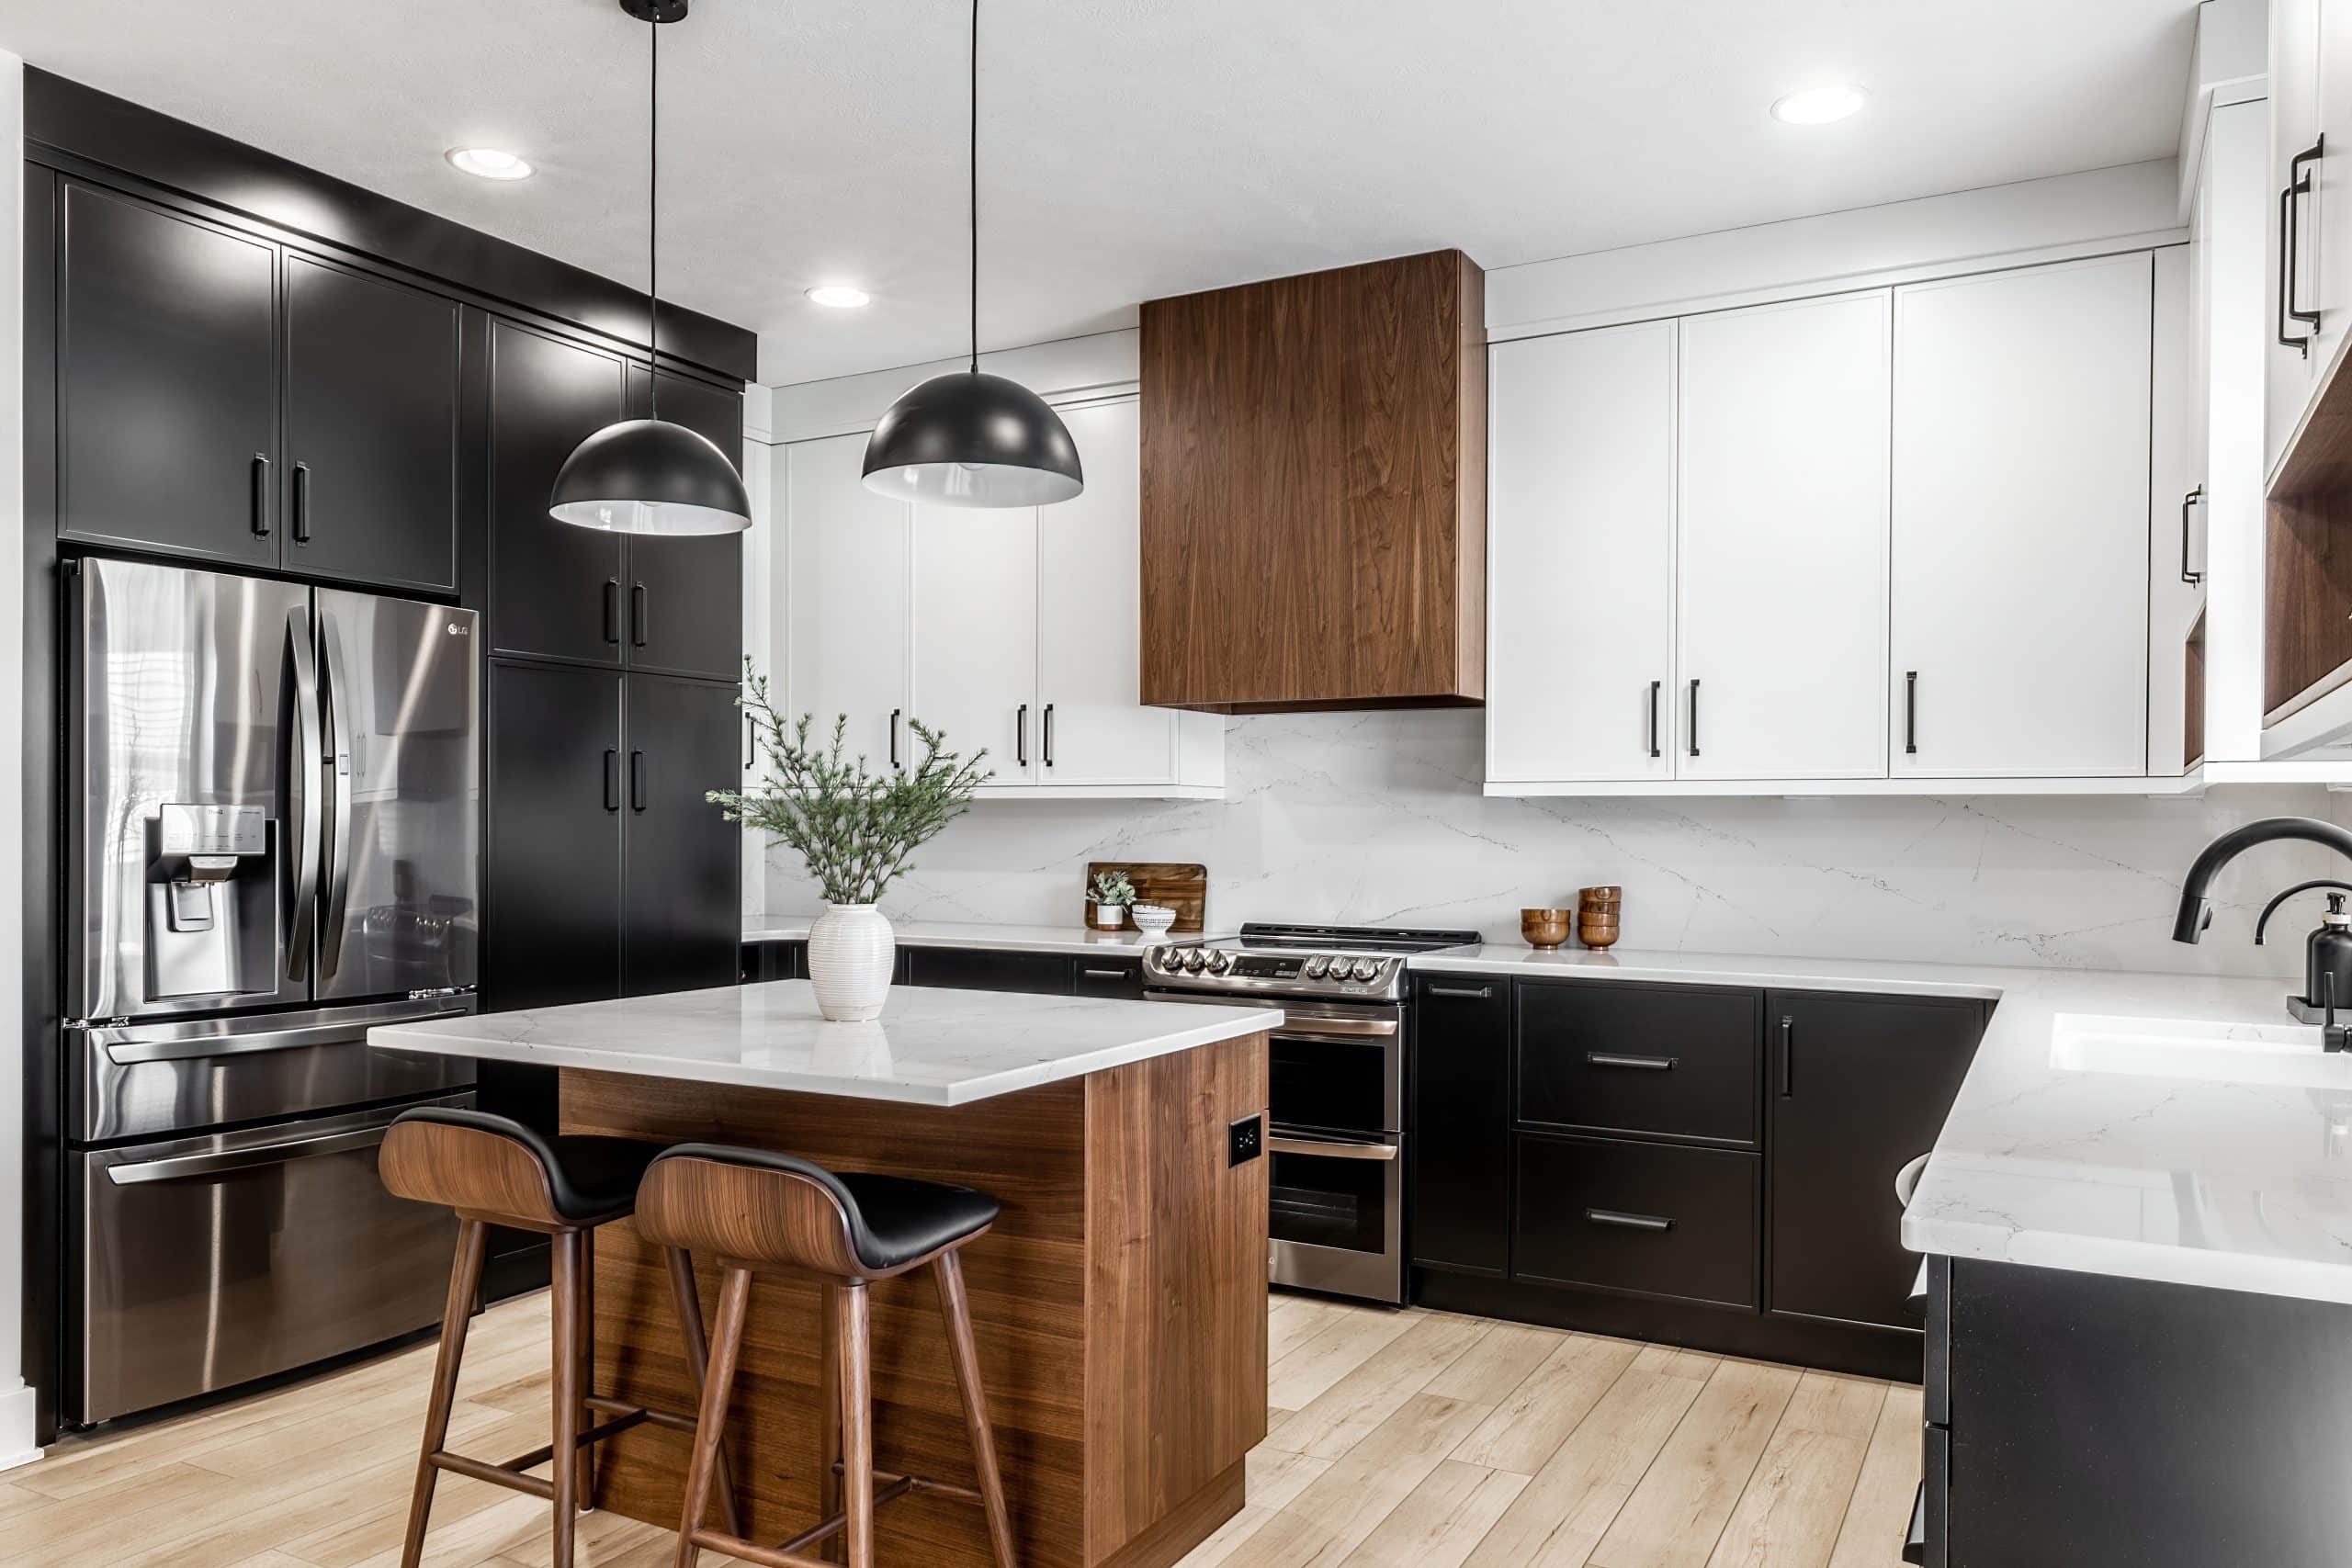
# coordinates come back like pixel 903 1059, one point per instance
pixel 1315 491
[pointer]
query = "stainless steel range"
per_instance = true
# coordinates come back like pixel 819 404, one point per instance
pixel 1337 1138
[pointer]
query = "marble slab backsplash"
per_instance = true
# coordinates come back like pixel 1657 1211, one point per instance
pixel 1376 818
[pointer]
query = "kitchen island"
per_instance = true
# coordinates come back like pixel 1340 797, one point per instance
pixel 1119 1303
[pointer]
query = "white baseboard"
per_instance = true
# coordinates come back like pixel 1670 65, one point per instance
pixel 16 1444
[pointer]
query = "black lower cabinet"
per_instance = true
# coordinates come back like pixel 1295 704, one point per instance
pixel 553 894
pixel 2106 1423
pixel 1649 1219
pixel 765 961
pixel 681 909
pixel 1857 1087
pixel 1113 979
pixel 1458 1125
pixel 972 969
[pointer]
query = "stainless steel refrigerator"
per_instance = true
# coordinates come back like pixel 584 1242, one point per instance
pixel 272 794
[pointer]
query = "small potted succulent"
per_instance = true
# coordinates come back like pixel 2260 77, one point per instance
pixel 1113 893
pixel 855 829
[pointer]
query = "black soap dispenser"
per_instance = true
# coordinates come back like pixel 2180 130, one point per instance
pixel 2327 958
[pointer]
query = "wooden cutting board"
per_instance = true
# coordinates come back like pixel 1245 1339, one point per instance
pixel 1183 888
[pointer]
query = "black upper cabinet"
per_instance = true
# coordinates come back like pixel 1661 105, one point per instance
pixel 371 430
pixel 1459 1124
pixel 1857 1087
pixel 167 382
pixel 556 800
pixel 681 911
pixel 685 600
pixel 555 588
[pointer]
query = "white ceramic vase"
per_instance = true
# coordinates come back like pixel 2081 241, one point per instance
pixel 1110 916
pixel 850 953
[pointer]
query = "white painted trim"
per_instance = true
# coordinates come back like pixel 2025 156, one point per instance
pixel 1100 792
pixel 2229 63
pixel 1803 787
pixel 16 1428
pixel 1068 372
pixel 16 1444
pixel 2131 206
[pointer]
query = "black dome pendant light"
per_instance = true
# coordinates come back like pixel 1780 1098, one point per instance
pixel 648 476
pixel 967 438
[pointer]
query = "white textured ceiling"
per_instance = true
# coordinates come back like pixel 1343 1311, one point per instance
pixel 1129 148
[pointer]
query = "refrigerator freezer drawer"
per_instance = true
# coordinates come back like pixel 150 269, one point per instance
pixel 147 1080
pixel 207 1262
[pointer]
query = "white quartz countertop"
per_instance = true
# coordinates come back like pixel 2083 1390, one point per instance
pixel 929 1047
pixel 989 935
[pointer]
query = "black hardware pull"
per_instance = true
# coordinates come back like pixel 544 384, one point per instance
pixel 2285 265
pixel 1910 712
pixel 261 495
pixel 894 735
pixel 2186 501
pixel 612 779
pixel 751 742
pixel 301 504
pixel 2299 184
pixel 612 611
pixel 1641 1064
pixel 1464 993
pixel 637 613
pixel 1788 1055
pixel 1021 737
pixel 1694 718
pixel 1050 735
pixel 637 781
pixel 1654 687
pixel 1656 1224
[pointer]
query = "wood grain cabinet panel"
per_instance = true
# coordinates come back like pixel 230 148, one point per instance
pixel 1314 491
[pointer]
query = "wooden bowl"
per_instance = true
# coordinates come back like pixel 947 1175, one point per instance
pixel 1598 900
pixel 1596 931
pixel 1545 929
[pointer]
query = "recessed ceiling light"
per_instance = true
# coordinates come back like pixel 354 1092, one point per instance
pixel 1819 106
pixel 840 296
pixel 488 163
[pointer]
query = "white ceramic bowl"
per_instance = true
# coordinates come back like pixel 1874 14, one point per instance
pixel 1153 918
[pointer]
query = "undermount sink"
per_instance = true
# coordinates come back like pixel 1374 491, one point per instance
pixel 2198 1049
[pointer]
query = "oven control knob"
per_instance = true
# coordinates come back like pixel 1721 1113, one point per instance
pixel 1220 961
pixel 1367 968
pixel 1195 960
pixel 1316 965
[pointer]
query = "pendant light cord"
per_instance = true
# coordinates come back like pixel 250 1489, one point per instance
pixel 974 141
pixel 653 218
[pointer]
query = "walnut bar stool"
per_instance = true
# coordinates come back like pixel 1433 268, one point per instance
pixel 494 1171
pixel 770 1213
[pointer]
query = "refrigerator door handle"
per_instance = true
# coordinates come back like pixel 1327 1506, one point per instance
pixel 338 798
pixel 308 765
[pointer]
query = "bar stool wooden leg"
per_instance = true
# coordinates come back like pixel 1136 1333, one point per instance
pixel 688 1303
pixel 587 1497
pixel 829 1412
pixel 955 1311
pixel 565 1246
pixel 465 1276
pixel 711 1425
pixel 858 1421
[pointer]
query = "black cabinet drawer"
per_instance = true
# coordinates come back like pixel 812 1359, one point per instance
pixel 1649 1218
pixel 764 961
pixel 1118 979
pixel 976 969
pixel 1659 1061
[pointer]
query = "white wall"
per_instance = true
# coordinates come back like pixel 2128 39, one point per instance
pixel 15 1399
pixel 1377 819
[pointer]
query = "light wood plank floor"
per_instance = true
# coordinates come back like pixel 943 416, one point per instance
pixel 1396 1438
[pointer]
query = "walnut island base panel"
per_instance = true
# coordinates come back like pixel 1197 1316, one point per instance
pixel 1119 1305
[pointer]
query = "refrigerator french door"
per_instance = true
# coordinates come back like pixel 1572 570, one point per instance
pixel 273 798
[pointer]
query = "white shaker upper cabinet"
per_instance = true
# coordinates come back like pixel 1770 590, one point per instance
pixel 2293 276
pixel 1580 557
pixel 975 635
pixel 1781 612
pixel 845 633
pixel 1089 601
pixel 2020 568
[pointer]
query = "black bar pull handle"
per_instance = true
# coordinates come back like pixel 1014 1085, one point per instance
pixel 637 781
pixel 612 611
pixel 1625 1221
pixel 1654 688
pixel 2192 499
pixel 637 614
pixel 1694 716
pixel 1021 737
pixel 612 779
pixel 2299 182
pixel 2286 269
pixel 301 504
pixel 1788 1055
pixel 261 495
pixel 1910 712
pixel 895 715
pixel 1466 993
pixel 1050 735
pixel 1641 1064
pixel 751 742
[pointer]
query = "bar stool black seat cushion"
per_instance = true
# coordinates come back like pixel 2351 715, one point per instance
pixel 592 1180
pixel 893 1220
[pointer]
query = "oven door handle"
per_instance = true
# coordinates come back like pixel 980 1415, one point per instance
pixel 1324 1149
pixel 179 1166
pixel 1312 1026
